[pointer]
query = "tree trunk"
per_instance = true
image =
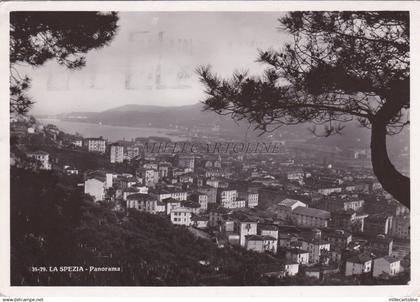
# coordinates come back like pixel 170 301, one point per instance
pixel 391 180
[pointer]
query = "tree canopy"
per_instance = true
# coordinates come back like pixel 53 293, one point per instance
pixel 52 224
pixel 339 67
pixel 38 36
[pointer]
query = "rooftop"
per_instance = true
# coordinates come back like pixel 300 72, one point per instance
pixel 170 199
pixel 140 196
pixel 166 191
pixel 361 258
pixel 270 227
pixel 377 218
pixel 200 218
pixel 191 204
pixel 288 202
pixel 296 251
pixel 181 209
pixel 312 212
pixel 38 153
pixel 391 259
pixel 96 176
pixel 258 238
pixel 95 139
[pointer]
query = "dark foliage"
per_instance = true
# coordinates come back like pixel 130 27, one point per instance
pixel 55 225
pixel 339 67
pixel 37 36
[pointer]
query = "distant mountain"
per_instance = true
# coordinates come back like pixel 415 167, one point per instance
pixel 156 116
pixel 143 108
pixel 193 116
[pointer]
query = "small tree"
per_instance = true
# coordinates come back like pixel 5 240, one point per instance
pixel 341 66
pixel 37 36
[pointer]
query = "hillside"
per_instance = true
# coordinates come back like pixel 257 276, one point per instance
pixel 71 230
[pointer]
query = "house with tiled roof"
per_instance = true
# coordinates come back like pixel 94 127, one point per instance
pixel 95 144
pixel 358 265
pixel 192 205
pixel 310 217
pixel 260 243
pixel 278 270
pixel 200 221
pixel 338 238
pixel 95 186
pixel 317 248
pixel 381 245
pixel 297 255
pixel 142 202
pixel 285 207
pixel 128 191
pixel 268 230
pixel 181 216
pixel 387 265
pixel 171 204
pixel 42 157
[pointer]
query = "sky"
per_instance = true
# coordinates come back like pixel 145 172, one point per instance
pixel 152 58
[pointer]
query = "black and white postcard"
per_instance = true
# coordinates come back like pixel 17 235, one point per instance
pixel 260 145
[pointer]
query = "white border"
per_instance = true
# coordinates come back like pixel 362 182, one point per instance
pixel 412 290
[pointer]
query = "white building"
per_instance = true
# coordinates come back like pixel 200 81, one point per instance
pixel 78 143
pixel 286 206
pixel 131 152
pixel 252 200
pixel 315 247
pixel 43 158
pixel 96 187
pixel 310 217
pixel 70 170
pixel 202 199
pixel 260 244
pixel 142 202
pixel 109 179
pixel 171 204
pixel 164 169
pixel 129 191
pixel 296 255
pixel 162 194
pixel 236 204
pixel 116 154
pixel 246 228
pixel 270 244
pixel 291 269
pixel 328 191
pixel 358 265
pixel 386 265
pixel 214 183
pixel 96 145
pixel 269 230
pixel 181 216
pixel 150 176
pixel 227 198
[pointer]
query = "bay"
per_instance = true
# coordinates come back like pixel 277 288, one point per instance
pixel 112 133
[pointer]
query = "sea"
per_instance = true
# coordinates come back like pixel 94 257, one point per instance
pixel 112 133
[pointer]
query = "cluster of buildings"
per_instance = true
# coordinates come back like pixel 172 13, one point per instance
pixel 313 218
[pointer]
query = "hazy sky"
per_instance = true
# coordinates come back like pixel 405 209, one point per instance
pixel 152 59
